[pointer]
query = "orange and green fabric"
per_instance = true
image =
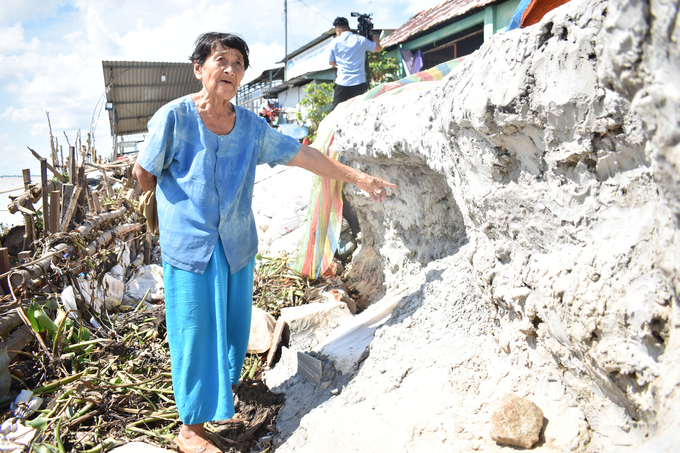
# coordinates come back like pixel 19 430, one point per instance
pixel 324 215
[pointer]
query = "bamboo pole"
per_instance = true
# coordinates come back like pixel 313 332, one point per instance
pixel 108 236
pixel 20 277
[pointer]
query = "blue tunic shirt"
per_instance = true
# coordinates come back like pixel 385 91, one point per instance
pixel 205 182
pixel 348 51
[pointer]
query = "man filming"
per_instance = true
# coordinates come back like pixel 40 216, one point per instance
pixel 347 53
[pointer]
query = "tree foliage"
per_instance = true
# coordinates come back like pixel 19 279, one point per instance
pixel 383 69
pixel 317 105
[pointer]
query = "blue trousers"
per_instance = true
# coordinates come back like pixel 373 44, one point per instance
pixel 208 321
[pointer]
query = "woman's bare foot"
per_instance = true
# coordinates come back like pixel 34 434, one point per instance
pixel 192 435
pixel 194 439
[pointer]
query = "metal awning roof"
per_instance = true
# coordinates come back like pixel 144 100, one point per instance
pixel 276 74
pixel 309 45
pixel 137 90
pixel 432 17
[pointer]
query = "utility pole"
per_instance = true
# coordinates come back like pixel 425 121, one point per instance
pixel 285 39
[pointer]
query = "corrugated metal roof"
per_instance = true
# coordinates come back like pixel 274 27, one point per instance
pixel 136 90
pixel 432 17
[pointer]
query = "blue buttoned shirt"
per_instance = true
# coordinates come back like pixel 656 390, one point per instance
pixel 205 182
pixel 348 51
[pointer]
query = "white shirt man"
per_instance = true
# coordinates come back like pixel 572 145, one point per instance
pixel 348 53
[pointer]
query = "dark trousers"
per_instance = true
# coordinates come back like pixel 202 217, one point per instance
pixel 342 93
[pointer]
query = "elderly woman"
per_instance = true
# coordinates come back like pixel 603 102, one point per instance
pixel 202 151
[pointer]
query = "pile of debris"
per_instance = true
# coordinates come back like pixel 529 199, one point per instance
pixel 87 364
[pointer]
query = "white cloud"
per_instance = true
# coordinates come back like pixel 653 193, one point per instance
pixel 12 41
pixel 17 114
pixel 14 11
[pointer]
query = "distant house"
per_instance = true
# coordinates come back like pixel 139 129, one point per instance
pixel 254 94
pixel 308 64
pixel 451 30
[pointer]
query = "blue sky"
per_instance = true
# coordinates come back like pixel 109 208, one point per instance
pixel 51 53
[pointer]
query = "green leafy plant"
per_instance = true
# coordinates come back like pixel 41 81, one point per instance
pixel 383 69
pixel 39 222
pixel 317 105
pixel 65 175
pixel 39 319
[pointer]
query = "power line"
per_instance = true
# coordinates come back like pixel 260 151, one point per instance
pixel 315 11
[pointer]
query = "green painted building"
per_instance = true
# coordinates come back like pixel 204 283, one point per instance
pixel 448 31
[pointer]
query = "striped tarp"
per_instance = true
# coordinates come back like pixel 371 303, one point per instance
pixel 324 215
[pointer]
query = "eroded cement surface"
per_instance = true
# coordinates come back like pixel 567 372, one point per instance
pixel 536 221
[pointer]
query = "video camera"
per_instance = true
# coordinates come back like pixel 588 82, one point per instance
pixel 365 27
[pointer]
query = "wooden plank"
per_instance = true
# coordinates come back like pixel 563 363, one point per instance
pixel 26 172
pixel 55 212
pixel 73 176
pixel 276 340
pixel 46 205
pixel 4 267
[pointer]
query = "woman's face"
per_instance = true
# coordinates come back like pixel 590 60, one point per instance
pixel 222 72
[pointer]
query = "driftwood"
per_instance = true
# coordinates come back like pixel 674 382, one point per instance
pixel 32 195
pixel 108 236
pixel 22 275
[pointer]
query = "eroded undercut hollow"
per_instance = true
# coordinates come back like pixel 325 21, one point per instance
pixel 418 223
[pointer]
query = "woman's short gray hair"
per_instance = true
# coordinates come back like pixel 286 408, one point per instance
pixel 207 42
